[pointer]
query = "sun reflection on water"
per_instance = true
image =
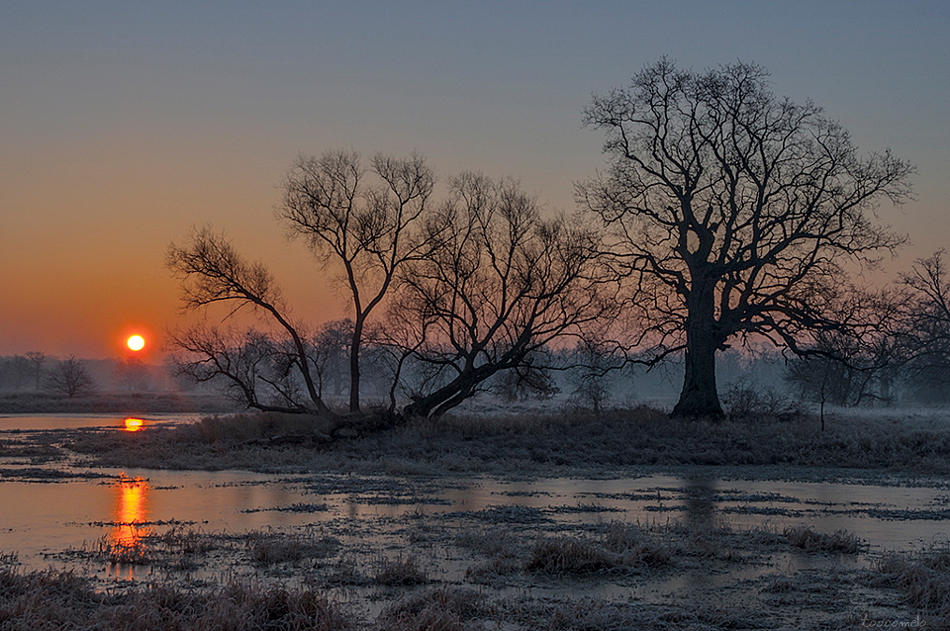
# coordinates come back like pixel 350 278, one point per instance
pixel 131 513
pixel 132 424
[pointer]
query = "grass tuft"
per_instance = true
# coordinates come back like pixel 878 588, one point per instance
pixel 566 555
pixel 434 609
pixel 812 541
pixel 924 579
pixel 400 571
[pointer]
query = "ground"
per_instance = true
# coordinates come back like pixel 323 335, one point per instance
pixel 527 564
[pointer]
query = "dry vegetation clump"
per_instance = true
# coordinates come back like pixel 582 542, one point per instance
pixel 238 428
pixel 504 553
pixel 40 600
pixel 400 571
pixel 181 539
pixel 923 578
pixel 266 548
pixel 567 555
pixel 434 609
pixel 634 547
pixel 810 540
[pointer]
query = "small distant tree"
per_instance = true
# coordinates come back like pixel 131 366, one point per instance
pixel 593 366
pixel 330 353
pixel 132 374
pixel 18 371
pixel 70 377
pixel 857 364
pixel 928 333
pixel 37 359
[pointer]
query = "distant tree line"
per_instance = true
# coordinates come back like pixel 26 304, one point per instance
pixel 727 215
pixel 38 372
pixel 35 371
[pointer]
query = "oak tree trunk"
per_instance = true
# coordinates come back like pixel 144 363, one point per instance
pixel 699 396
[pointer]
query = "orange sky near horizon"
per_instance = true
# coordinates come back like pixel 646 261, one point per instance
pixel 125 126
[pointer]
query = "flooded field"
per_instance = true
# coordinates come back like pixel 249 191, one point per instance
pixel 691 537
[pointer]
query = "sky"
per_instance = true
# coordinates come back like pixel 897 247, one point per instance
pixel 124 125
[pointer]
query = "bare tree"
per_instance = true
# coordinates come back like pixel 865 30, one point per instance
pixel 255 369
pixel 71 378
pixel 37 359
pixel 593 367
pixel 733 211
pixel 928 333
pixel 18 371
pixel 503 284
pixel 368 229
pixel 212 272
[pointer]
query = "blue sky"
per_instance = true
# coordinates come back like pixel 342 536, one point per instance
pixel 124 124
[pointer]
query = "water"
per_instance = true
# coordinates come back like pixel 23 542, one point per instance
pixel 42 517
pixel 13 423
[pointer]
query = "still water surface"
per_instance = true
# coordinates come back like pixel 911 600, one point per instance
pixel 40 518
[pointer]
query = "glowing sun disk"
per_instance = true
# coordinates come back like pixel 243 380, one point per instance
pixel 135 342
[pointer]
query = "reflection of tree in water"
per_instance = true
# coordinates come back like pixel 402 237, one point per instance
pixel 700 506
pixel 131 511
pixel 700 517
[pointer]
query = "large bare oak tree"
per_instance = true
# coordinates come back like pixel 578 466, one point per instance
pixel 733 210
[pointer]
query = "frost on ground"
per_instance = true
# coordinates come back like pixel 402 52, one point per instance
pixel 419 564
pixel 480 571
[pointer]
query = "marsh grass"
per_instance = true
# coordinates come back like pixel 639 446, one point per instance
pixel 595 614
pixel 810 540
pixel 445 608
pixel 272 548
pixel 568 555
pixel 923 578
pixel 402 570
pixel 40 600
pixel 534 444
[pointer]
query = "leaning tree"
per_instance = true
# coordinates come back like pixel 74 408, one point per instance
pixel 503 283
pixel 733 210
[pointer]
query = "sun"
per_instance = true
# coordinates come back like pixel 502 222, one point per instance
pixel 135 342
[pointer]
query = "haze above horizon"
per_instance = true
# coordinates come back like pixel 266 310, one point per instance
pixel 124 126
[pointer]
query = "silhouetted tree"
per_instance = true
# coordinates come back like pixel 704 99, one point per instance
pixel 733 211
pixel 70 377
pixel 928 333
pixel 369 229
pixel 501 285
pixel 329 353
pixel 213 272
pixel 18 371
pixel 132 374
pixel 593 365
pixel 37 359
pixel 256 369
